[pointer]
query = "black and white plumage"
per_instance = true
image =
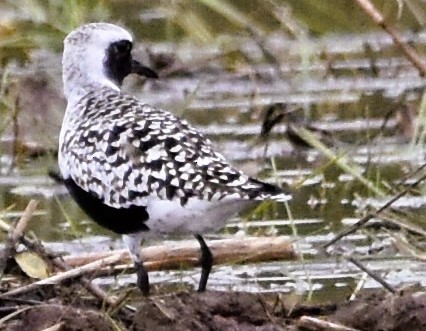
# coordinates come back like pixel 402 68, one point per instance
pixel 135 169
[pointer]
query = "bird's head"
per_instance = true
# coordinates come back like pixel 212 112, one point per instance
pixel 98 54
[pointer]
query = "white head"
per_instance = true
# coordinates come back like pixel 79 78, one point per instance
pixel 98 54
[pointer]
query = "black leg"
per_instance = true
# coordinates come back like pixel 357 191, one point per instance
pixel 206 263
pixel 133 242
pixel 142 278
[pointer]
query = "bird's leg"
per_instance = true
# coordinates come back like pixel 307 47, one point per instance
pixel 206 261
pixel 142 278
pixel 133 242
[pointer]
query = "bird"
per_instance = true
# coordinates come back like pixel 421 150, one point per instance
pixel 135 169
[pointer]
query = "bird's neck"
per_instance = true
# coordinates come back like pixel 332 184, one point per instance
pixel 79 80
pixel 75 91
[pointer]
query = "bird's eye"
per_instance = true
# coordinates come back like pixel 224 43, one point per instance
pixel 123 47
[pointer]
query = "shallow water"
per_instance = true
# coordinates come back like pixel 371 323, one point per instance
pixel 348 97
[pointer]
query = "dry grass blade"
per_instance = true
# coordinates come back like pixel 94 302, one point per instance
pixel 408 50
pixel 56 327
pixel 373 275
pixel 417 10
pixel 340 160
pixel 313 323
pixel 234 15
pixel 364 220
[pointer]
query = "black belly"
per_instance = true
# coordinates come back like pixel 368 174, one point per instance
pixel 119 220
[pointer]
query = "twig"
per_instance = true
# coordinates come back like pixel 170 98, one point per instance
pixel 37 247
pixel 364 220
pixel 174 255
pixel 372 274
pixel 87 283
pixel 72 273
pixel 312 323
pixel 411 174
pixel 408 50
pixel 21 301
pixel 15 234
pixel 15 313
pixel 20 228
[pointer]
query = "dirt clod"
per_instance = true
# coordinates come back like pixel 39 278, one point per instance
pixel 69 311
pixel 383 311
pixel 66 318
pixel 207 311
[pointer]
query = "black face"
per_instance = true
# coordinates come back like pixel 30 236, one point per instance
pixel 119 63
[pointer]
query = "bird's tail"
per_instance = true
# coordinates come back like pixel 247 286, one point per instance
pixel 268 191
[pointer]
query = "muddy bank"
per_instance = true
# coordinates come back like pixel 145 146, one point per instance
pixel 213 311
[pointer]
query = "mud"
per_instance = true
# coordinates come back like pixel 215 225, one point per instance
pixel 383 311
pixel 68 309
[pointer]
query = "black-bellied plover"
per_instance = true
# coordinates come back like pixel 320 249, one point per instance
pixel 138 170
